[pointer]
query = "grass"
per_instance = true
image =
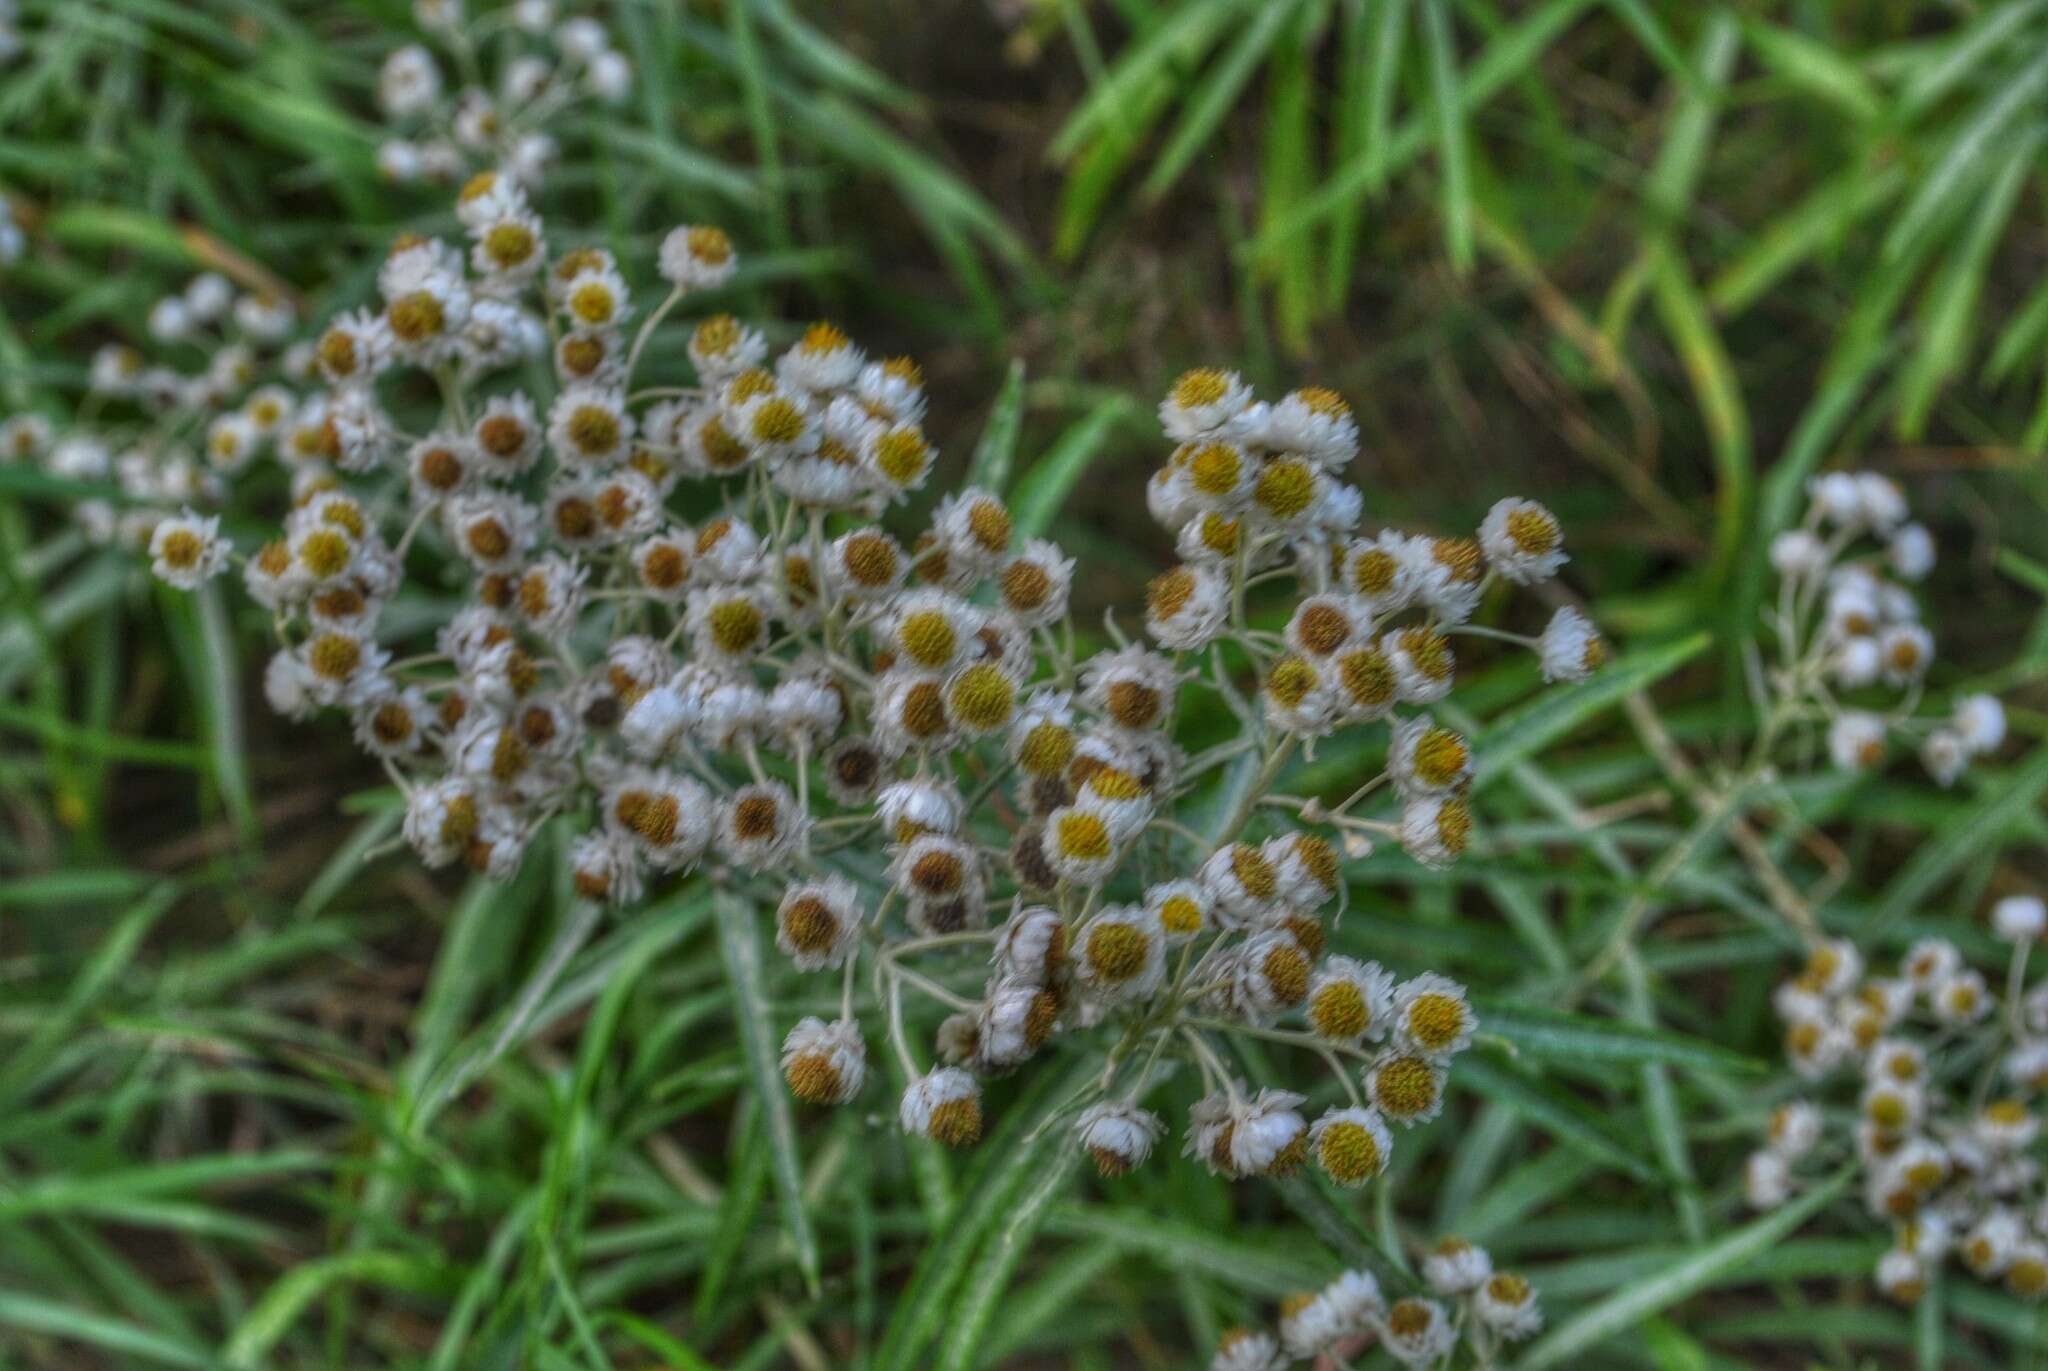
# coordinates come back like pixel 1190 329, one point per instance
pixel 270 1098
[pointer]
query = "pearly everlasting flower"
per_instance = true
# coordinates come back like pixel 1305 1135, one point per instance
pixel 187 550
pixel 818 923
pixel 2019 918
pixel 824 1063
pixel 1506 1303
pixel 1522 541
pixel 1351 1145
pixel 1118 1136
pixel 1417 1332
pixel 1120 953
pixel 943 1105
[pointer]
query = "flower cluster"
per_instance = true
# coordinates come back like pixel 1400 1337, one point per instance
pixel 895 743
pixel 1849 631
pixel 1947 1103
pixel 520 67
pixel 1468 1302
pixel 170 428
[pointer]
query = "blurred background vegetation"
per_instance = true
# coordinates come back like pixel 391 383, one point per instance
pixel 266 1103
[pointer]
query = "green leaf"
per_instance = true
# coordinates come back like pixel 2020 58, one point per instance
pixel 1651 1293
pixel 1004 1165
pixel 1551 1110
pixel 740 940
pixel 1179 42
pixel 272 1316
pixel 1045 487
pixel 1951 306
pixel 1524 732
pixel 996 453
pixel 2003 802
pixel 1816 67
pixel 1551 1035
pixel 1719 398
pixel 1005 1248
pixel 1809 226
pixel 1215 95
pixel 1447 108
pixel 1965 161
pixel 50 1318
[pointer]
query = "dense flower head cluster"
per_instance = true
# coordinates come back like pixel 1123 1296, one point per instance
pixel 894 740
pixel 171 421
pixel 1467 1303
pixel 519 66
pixel 1943 1103
pixel 1854 652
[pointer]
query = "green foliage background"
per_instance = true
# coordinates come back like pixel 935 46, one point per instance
pixel 266 1100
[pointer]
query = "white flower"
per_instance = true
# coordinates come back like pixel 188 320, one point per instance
pixel 944 1105
pixel 1901 1276
pixel 1241 1349
pixel 762 826
pixel 1766 1180
pixel 610 76
pixel 1120 953
pixel 1424 669
pixel 1945 755
pixel 1435 829
pixel 1313 423
pixel 1266 1128
pixel 1571 649
pixel 667 817
pixel 1980 719
pixel 1417 1332
pixel 1507 1304
pixel 1960 998
pixel 1425 758
pixel 2019 918
pixel 1118 1135
pixel 1187 607
pixel 606 867
pixel 1911 552
pixel 1431 1016
pixel 824 1063
pixel 1837 496
pixel 186 550
pixel 697 258
pixel 1033 584
pixel 1883 504
pixel 1795 1129
pixel 409 83
pixel 818 923
pixel 1522 541
pixel 1856 740
pixel 1798 553
pixel 1203 403
pixel 1456 1267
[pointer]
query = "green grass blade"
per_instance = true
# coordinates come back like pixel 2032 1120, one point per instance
pixel 1005 1248
pixel 1966 162
pixel 2004 801
pixel 1528 730
pixel 1950 310
pixel 1447 109
pixel 1215 96
pixel 739 939
pixel 1045 487
pixel 995 454
pixel 1653 1292
pixel 1550 1035
pixel 1551 1110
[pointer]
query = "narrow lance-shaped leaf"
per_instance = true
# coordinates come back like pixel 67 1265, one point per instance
pixel 1652 1293
pixel 740 940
